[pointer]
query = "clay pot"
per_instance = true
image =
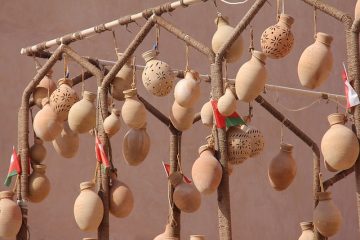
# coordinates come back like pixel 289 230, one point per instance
pixel 63 98
pixel 88 208
pixel 133 111
pixel 37 151
pixel 239 145
pixel 206 171
pixel 44 89
pixel 197 237
pixel 251 77
pixel 227 103
pixel 157 76
pixel 327 217
pixel 339 155
pixel 10 215
pixel 121 199
pixel 167 234
pixel 122 80
pixel 89 238
pixel 316 62
pixel 278 40
pixel 207 115
pixel 112 123
pixel 39 184
pixel 357 10
pixel 182 118
pixel 307 231
pixel 223 33
pixel 282 169
pixel 187 90
pixel 82 115
pixel 46 124
pixel 136 146
pixel 257 141
pixel 67 143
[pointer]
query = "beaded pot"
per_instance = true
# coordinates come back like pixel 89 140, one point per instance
pixel 239 145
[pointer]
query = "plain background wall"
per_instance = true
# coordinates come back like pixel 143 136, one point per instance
pixel 258 211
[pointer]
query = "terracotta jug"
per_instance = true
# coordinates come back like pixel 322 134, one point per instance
pixel 207 115
pixel 88 208
pixel 239 145
pixel 112 123
pixel 227 102
pixel 327 217
pixel 316 62
pixel 339 155
pixel 197 237
pixel 37 151
pixel 136 146
pixel 187 90
pixel 206 171
pixel 357 10
pixel 182 118
pixel 251 77
pixel 223 33
pixel 39 184
pixel 157 76
pixel 282 169
pixel 67 143
pixel 133 111
pixel 122 80
pixel 257 141
pixel 121 198
pixel 44 89
pixel 307 231
pixel 278 40
pixel 167 234
pixel 46 124
pixel 63 98
pixel 82 115
pixel 10 215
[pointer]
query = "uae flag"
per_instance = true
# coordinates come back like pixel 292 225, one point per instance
pixel 352 99
pixel 14 168
pixel 167 171
pixel 100 153
pixel 222 121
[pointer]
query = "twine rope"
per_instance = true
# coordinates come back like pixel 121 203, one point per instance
pixel 315 21
pixel 187 57
pixel 82 81
pixel 133 84
pixel 157 37
pixel 115 41
pixel 251 46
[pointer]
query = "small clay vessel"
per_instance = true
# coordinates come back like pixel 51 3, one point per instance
pixel 257 141
pixel 82 115
pixel 239 145
pixel 121 198
pixel 197 237
pixel 39 184
pixel 207 114
pixel 122 80
pixel 167 234
pixel 112 123
pixel 10 215
pixel 227 102
pixel 187 90
pixel 307 231
pixel 182 118
pixel 67 143
pixel 136 146
pixel 133 111
pixel 37 151
pixel 44 89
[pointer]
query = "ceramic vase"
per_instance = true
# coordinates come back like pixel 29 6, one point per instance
pixel 44 89
pixel 227 102
pixel 37 151
pixel 257 141
pixel 82 115
pixel 207 115
pixel 39 184
pixel 182 118
pixel 187 90
pixel 307 229
pixel 67 143
pixel 239 145
pixel 133 111
pixel 136 146
pixel 121 198
pixel 10 215
pixel 122 80
pixel 112 123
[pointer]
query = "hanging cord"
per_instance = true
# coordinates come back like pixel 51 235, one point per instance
pixel 235 3
pixel 251 46
pixel 283 6
pixel 218 13
pixel 133 84
pixel 277 100
pixel 115 42
pixel 157 37
pixel 82 82
pixel 225 72
pixel 277 10
pixel 282 131
pixel 187 57
pixel 66 67
pixel 315 22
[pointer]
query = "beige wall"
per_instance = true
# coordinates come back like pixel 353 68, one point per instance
pixel 258 212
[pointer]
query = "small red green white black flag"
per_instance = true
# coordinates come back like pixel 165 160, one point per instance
pixel 222 121
pixel 14 168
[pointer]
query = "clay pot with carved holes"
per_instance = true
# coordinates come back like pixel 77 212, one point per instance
pixel 239 145
pixel 133 111
pixel 257 141
pixel 82 115
pixel 67 143
pixel 112 123
pixel 10 215
pixel 39 184
pixel 38 151
pixel 122 80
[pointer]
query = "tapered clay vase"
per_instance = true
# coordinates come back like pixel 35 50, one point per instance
pixel 327 217
pixel 122 80
pixel 133 111
pixel 251 77
pixel 112 123
pixel 339 144
pixel 282 169
pixel 182 118
pixel 63 98
pixel 88 208
pixel 121 198
pixel 239 145
pixel 207 115
pixel 357 10
pixel 223 33
pixel 136 146
pixel 82 115
pixel 167 234
pixel 187 90
pixel 278 40
pixel 67 143
pixel 44 89
pixel 39 184
pixel 37 151
pixel 10 215
pixel 316 62
pixel 206 171
pixel 307 229
pixel 157 76
pixel 46 124
pixel 227 102
pixel 197 237
pixel 257 141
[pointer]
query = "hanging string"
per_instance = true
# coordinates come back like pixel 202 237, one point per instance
pixel 277 100
pixel 225 71
pixel 315 21
pixel 115 42
pixel 277 10
pixel 32 122
pixel 66 67
pixel 251 46
pixel 235 3
pixel 187 57
pixel 282 131
pixel 82 81
pixel 283 6
pixel 133 84
pixel 157 37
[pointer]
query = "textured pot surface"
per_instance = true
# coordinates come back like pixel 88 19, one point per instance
pixel 44 89
pixel 239 145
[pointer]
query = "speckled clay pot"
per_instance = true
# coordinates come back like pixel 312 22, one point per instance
pixel 39 184
pixel 307 231
pixel 136 146
pixel 182 118
pixel 257 141
pixel 38 151
pixel 121 199
pixel 187 90
pixel 133 111
pixel 227 103
pixel 122 80
pixel 10 215
pixel 207 115
pixel 112 123
pixel 239 145
pixel 67 143
pixel 44 89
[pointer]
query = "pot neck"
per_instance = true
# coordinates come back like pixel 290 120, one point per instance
pixel 306 226
pixel 323 196
pixel 259 56
pixel 65 81
pixel 150 55
pixel 222 21
pixel 284 147
pixel 336 118
pixel 89 96
pixel 130 93
pixel 7 194
pixel 39 168
pixel 87 185
pixel 116 112
pixel 286 20
pixel 324 38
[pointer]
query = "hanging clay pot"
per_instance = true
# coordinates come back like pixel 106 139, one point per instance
pixel 121 198
pixel 122 80
pixel 46 124
pixel 157 76
pixel 112 123
pixel 136 146
pixel 39 184
pixel 357 10
pixel 44 89
pixel 82 115
pixel 37 151
pixel 339 144
pixel 88 208
pixel 223 33
pixel 207 115
pixel 307 231
pixel 182 118
pixel 327 217
pixel 187 90
pixel 197 237
pixel 10 215
pixel 227 102
pixel 167 234
pixel 278 40
pixel 239 145
pixel 67 143
pixel 133 111
pixel 282 169
pixel 206 171
pixel 257 140
pixel 251 77
pixel 316 62
pixel 63 98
